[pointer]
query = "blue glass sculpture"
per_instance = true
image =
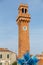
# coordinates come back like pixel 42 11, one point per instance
pixel 28 60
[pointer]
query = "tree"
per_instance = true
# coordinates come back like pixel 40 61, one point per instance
pixel 14 63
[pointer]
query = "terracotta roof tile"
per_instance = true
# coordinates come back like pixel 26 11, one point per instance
pixel 5 50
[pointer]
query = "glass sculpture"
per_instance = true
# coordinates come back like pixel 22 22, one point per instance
pixel 27 60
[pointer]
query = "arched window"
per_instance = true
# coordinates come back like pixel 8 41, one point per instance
pixel 22 10
pixel 25 10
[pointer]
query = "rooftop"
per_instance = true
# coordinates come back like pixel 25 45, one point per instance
pixel 5 50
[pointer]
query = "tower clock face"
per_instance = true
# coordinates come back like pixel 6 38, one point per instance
pixel 24 28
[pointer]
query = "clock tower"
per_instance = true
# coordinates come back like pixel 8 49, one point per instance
pixel 23 20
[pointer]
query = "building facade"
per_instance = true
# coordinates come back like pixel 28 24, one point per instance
pixel 7 57
pixel 40 57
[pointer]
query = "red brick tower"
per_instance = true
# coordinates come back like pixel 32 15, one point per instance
pixel 23 20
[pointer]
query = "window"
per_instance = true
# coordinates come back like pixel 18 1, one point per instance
pixel 22 10
pixel 0 55
pixel 0 63
pixel 25 10
pixel 7 55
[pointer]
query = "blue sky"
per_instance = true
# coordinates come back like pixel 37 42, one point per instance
pixel 9 28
